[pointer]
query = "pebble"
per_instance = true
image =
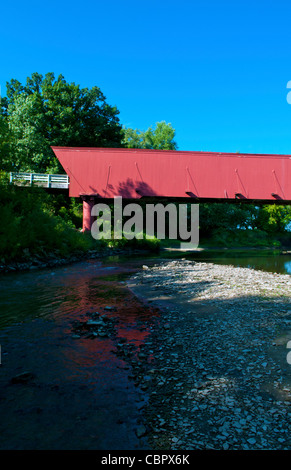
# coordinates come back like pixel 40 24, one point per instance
pixel 23 378
pixel 140 431
pixel 217 357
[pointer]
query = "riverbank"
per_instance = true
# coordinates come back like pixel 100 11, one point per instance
pixel 215 365
pixel 54 259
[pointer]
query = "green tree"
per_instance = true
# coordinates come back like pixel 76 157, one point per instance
pixel 161 137
pixel 4 134
pixel 227 217
pixel 4 143
pixel 274 218
pixel 52 112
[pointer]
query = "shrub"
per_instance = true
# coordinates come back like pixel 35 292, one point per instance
pixel 28 222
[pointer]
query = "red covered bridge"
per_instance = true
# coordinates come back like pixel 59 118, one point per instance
pixel 165 174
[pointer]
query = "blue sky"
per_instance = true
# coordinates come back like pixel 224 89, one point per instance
pixel 217 71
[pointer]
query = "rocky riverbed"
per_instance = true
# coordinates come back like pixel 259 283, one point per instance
pixel 215 365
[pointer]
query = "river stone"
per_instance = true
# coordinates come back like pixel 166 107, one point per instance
pixel 95 322
pixel 23 378
pixel 140 431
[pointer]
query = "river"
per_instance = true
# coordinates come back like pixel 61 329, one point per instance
pixel 62 390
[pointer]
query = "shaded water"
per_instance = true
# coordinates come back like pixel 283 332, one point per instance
pixel 80 395
pixel 265 261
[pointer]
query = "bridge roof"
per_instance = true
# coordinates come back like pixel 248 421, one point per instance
pixel 135 173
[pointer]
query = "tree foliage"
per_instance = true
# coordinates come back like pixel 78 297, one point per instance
pixel 47 111
pixel 52 112
pixel 4 142
pixel 160 137
pixel 274 218
pixel 243 223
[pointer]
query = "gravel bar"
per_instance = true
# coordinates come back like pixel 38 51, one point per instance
pixel 215 366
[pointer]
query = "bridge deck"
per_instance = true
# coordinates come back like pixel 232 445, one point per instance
pixel 40 179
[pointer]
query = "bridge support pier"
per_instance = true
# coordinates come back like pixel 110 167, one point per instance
pixel 88 203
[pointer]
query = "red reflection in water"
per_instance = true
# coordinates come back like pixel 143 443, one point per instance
pixel 113 299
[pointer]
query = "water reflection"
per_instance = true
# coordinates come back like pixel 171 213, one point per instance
pixel 82 397
pixel 287 266
pixel 58 293
pixel 278 263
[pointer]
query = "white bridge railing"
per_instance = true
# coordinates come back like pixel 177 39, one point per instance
pixel 40 179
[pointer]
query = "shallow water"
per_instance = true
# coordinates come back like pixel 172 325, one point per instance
pixel 276 263
pixel 81 395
